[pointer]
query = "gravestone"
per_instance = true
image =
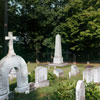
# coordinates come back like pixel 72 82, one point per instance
pixel 12 74
pixel 58 50
pixel 69 74
pixel 58 72
pixel 80 90
pixel 41 77
pixel 31 84
pixel 88 75
pixel 6 64
pixel 96 75
pixel 74 71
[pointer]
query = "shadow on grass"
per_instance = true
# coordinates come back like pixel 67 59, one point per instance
pixel 22 96
pixel 31 96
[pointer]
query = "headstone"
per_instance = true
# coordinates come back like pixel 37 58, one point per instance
pixel 70 75
pixel 12 74
pixel 74 71
pixel 96 75
pixel 88 75
pixel 6 64
pixel 54 67
pixel 48 67
pixel 31 84
pixel 41 77
pixel 80 90
pixel 58 72
pixel 58 50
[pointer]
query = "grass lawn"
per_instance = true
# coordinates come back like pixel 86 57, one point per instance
pixel 40 93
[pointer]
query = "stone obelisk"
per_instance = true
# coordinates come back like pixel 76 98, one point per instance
pixel 58 59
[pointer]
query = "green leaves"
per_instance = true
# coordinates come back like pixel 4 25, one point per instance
pixel 65 91
pixel 92 91
pixel 77 21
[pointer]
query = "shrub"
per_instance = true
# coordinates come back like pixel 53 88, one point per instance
pixel 92 91
pixel 51 76
pixel 65 91
pixel 31 77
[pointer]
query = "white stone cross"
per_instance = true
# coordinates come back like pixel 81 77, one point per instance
pixel 10 38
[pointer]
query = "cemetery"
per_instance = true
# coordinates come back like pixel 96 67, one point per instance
pixel 49 50
pixel 45 81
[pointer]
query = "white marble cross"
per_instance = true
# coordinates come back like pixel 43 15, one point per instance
pixel 10 38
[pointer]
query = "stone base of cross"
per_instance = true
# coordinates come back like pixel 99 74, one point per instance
pixel 10 38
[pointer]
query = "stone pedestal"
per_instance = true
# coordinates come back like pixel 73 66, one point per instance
pixel 22 89
pixel 4 97
pixel 41 84
pixel 58 72
pixel 58 60
pixel 58 50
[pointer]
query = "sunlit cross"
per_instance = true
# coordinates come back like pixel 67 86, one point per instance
pixel 10 38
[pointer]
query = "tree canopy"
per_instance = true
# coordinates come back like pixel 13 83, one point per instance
pixel 1 25
pixel 36 22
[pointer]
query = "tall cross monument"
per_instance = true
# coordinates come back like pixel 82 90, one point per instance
pixel 10 38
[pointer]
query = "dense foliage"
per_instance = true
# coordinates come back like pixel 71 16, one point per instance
pixel 92 91
pixel 1 25
pixel 51 76
pixel 66 91
pixel 31 76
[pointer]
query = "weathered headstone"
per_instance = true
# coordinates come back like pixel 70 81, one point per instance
pixel 31 84
pixel 58 72
pixel 12 74
pixel 41 77
pixel 80 90
pixel 48 67
pixel 96 75
pixel 69 74
pixel 88 75
pixel 6 64
pixel 74 71
pixel 54 67
pixel 58 50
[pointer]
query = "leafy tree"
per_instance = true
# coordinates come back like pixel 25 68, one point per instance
pixel 1 24
pixel 80 27
pixel 35 21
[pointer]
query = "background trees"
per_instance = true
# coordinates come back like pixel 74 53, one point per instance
pixel 36 22
pixel 1 25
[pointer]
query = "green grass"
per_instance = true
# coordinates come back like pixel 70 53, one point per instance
pixel 40 93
